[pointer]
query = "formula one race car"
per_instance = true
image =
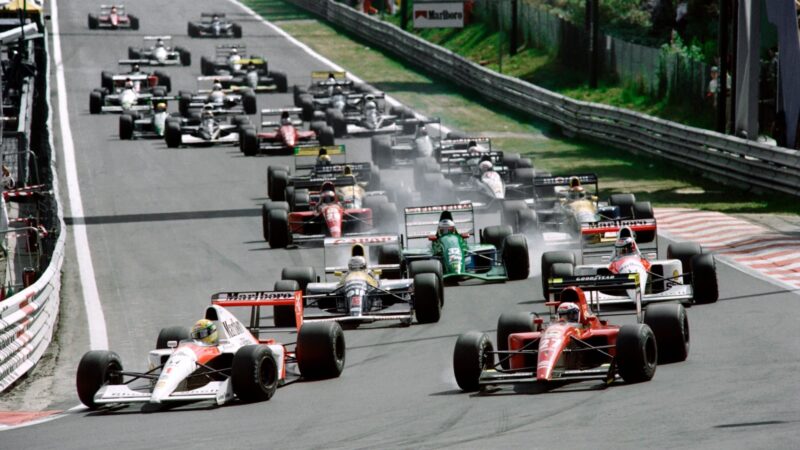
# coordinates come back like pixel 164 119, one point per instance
pixel 563 204
pixel 361 114
pixel 324 215
pixel 252 72
pixel 126 97
pixel 284 135
pixel 206 130
pixel 688 275
pixel 158 54
pixel 575 345
pixel 211 94
pixel 499 256
pixel 412 142
pixel 221 359
pixel 214 25
pixel 357 291
pixel 113 17
pixel 319 95
pixel 153 79
pixel 152 124
pixel 481 177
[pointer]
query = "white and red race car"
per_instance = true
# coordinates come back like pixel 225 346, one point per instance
pixel 113 17
pixel 688 274
pixel 240 365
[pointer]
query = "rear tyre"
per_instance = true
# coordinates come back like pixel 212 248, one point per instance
pixel 390 254
pixel 496 235
pixel 625 203
pixel 279 235
pixel 192 32
pixel 283 315
pixel 321 350
pixel 206 66
pixel 95 102
pixel 471 356
pixel 515 257
pixel 168 334
pixel 508 324
pixel 684 252
pixel 126 127
pixel 250 144
pixel 643 210
pixel 237 33
pixel 278 183
pixel 670 326
pixel 704 279
pixel 303 276
pixel 107 80
pixel 254 373
pixel 281 82
pixel 327 136
pixel 185 56
pixel 381 149
pixel 163 80
pixel 134 22
pixel 433 266
pixel 268 206
pixel 550 258
pixel 94 23
pixel 427 300
pixel 636 353
pixel 249 102
pixel 96 369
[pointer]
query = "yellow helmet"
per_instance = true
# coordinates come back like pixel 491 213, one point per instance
pixel 205 331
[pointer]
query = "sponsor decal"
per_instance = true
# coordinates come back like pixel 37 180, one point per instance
pixel 439 208
pixel 361 240
pixel 439 15
pixel 263 295
pixel 233 327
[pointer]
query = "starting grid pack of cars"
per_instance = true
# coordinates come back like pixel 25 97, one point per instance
pixel 388 253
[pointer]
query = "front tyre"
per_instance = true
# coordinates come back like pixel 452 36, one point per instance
pixel 471 356
pixel 96 369
pixel 254 373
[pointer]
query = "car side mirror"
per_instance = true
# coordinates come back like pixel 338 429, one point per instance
pixel 432 237
pixel 377 271
pixel 337 273
pixel 465 235
pixel 172 344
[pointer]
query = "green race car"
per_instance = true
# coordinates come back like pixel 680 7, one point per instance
pixel 499 256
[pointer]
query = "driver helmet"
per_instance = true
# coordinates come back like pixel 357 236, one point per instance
pixel 331 76
pixel 472 147
pixel 370 106
pixel 205 331
pixel 234 51
pixel 113 10
pixel 285 119
pixel 160 42
pixel 422 131
pixel 446 226
pixel 625 246
pixel 128 83
pixel 357 263
pixel 327 197
pixel 161 107
pixel 337 90
pixel 217 86
pixel 568 312
pixel 576 193
pixel 251 67
pixel 215 17
pixel 135 68
pixel 324 159
pixel 485 166
pixel 208 113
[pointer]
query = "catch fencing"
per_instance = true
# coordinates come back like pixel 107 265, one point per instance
pixel 727 158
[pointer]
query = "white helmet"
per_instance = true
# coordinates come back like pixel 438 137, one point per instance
pixel 357 263
pixel 485 166
pixel 569 312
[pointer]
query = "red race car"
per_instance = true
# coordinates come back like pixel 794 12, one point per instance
pixel 325 216
pixel 576 345
pixel 113 16
pixel 285 135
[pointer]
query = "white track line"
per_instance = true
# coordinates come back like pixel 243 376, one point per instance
pixel 98 336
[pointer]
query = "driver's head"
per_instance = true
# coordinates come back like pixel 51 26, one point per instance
pixel 370 106
pixel 135 68
pixel 625 246
pixel 205 331
pixel 324 159
pixel 327 197
pixel 337 90
pixel 208 114
pixel 577 193
pixel 285 119
pixel 472 147
pixel 113 10
pixel 160 42
pixel 446 226
pixel 357 263
pixel 485 166
pixel 234 51
pixel 251 67
pixel 569 312
pixel 128 83
pixel 161 107
pixel 422 131
pixel 215 17
pixel 331 76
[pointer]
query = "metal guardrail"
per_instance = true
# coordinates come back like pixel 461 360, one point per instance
pixel 722 157
pixel 28 318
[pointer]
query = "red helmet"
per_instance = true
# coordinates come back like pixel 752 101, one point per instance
pixel 569 312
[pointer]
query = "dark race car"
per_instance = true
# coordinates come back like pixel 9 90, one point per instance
pixel 214 25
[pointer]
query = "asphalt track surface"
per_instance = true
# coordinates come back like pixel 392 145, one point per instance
pixel 168 227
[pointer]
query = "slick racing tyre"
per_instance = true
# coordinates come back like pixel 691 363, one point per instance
pixel 636 353
pixel 254 373
pixel 670 325
pixel 96 369
pixel 283 315
pixel 321 350
pixel 472 355
pixel 508 324
pixel 550 258
pixel 515 257
pixel 427 300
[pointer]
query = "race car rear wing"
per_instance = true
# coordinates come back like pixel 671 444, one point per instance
pixel 120 8
pixel 296 112
pixel 316 183
pixel 256 299
pixel 340 249
pixel 545 187
pixel 460 213
pixel 207 14
pixel 593 286
pixel 447 144
pixel 318 75
pixel 155 38
pixel 141 77
pixel 613 226
pixel 605 233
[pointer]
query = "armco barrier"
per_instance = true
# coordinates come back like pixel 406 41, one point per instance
pixel 28 318
pixel 728 158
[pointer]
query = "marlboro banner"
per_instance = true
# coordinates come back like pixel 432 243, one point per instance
pixel 438 15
